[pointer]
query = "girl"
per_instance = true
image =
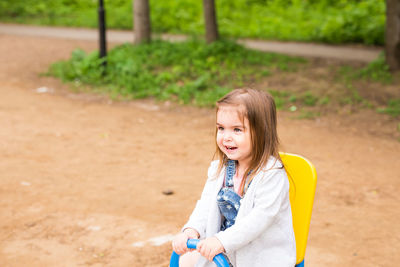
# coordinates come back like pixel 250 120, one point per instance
pixel 244 210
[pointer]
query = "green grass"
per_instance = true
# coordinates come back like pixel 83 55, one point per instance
pixel 286 99
pixel 309 99
pixel 193 72
pixel 392 108
pixel 341 21
pixel 309 115
pixel 376 71
pixel 187 72
pixel 324 101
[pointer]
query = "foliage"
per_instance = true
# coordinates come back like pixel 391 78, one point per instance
pixel 55 12
pixel 280 97
pixel 377 71
pixel 189 72
pixel 304 114
pixel 392 108
pixel 324 21
pixel 309 99
pixel 340 21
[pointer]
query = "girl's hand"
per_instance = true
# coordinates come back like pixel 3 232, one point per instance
pixel 210 247
pixel 179 244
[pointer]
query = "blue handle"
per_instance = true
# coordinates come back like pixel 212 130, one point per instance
pixel 192 243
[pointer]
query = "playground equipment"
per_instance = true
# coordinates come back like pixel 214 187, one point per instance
pixel 303 181
pixel 219 259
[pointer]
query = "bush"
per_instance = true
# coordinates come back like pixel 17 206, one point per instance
pixel 340 21
pixel 189 72
pixel 392 108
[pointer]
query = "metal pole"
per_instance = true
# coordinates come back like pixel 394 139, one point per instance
pixel 102 32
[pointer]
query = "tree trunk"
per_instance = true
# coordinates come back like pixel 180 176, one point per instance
pixel 210 20
pixel 141 21
pixel 392 34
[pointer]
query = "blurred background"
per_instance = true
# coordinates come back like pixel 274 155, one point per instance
pixel 107 126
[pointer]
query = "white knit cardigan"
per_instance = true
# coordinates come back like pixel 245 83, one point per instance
pixel 262 235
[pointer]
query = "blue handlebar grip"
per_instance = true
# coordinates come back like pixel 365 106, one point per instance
pixel 192 243
pixel 219 259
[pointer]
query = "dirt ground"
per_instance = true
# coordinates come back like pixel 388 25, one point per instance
pixel 82 177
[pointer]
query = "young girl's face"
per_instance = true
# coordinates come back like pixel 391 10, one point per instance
pixel 233 134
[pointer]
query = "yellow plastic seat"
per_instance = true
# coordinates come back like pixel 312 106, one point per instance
pixel 303 181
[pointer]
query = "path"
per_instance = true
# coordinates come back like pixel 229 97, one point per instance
pixel 81 177
pixel 352 53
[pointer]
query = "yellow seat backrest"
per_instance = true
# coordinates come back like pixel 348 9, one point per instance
pixel 303 181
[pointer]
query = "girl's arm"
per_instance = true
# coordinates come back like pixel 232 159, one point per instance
pixel 198 218
pixel 270 194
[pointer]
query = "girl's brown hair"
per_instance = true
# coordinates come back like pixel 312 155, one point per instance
pixel 259 109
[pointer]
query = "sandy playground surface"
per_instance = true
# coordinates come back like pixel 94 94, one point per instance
pixel 81 177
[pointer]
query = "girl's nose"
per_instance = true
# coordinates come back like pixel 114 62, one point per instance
pixel 227 136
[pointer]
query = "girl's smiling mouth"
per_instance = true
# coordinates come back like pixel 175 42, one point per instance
pixel 230 148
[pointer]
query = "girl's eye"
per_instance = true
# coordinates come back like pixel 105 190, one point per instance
pixel 220 128
pixel 237 130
